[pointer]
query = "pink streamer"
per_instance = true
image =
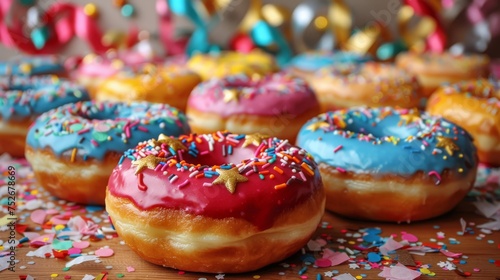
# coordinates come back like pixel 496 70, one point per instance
pixel 436 41
pixel 64 20
pixel 171 45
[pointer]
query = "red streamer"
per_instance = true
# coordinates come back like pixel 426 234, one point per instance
pixel 64 20
pixel 172 45
pixel 436 42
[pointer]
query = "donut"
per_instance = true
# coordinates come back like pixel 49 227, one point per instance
pixel 371 84
pixel 32 66
pixel 276 104
pixel 23 98
pixel 229 63
pixel 306 64
pixel 169 85
pixel 474 106
pixel 94 69
pixel 73 149
pixel 434 69
pixel 209 202
pixel 386 164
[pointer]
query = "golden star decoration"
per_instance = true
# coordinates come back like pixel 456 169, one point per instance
pixel 410 118
pixel 447 143
pixel 254 139
pixel 317 125
pixel 149 161
pixel 173 143
pixel 231 94
pixel 230 178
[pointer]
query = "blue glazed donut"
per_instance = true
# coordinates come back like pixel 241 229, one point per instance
pixel 32 65
pixel 22 99
pixel 390 164
pixel 314 61
pixel 74 148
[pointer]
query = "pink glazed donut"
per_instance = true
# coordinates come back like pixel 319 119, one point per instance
pixel 94 69
pixel 274 105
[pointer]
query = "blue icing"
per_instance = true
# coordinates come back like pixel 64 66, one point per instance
pixel 417 142
pixel 37 65
pixel 314 61
pixel 24 97
pixel 94 129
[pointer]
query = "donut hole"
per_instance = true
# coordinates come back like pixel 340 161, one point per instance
pixel 217 157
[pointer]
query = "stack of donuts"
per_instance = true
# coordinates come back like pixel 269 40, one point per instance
pixel 163 141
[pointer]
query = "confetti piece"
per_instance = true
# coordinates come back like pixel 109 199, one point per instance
pixel 81 244
pixel 463 224
pixel 345 276
pixel 488 209
pixel 82 259
pixel 323 263
pixel 314 245
pixel 399 272
pixel 88 277
pixel 409 237
pixel 41 252
pixel 374 257
pixel 61 245
pixel 389 245
pixel 38 216
pixel 5 220
pixel 450 254
pixel 74 251
pixel 104 252
pixel 335 257
pixel 130 269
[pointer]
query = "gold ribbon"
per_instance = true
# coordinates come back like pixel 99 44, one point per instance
pixel 414 36
pixel 340 21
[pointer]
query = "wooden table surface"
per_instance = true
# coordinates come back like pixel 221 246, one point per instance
pixel 477 250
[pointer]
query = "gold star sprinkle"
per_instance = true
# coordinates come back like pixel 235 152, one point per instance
pixel 149 161
pixel 447 143
pixel 231 94
pixel 254 139
pixel 229 178
pixel 409 118
pixel 315 126
pixel 173 143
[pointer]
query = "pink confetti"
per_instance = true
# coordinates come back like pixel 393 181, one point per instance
pixel 314 245
pixel 323 263
pixel 399 272
pixel 74 251
pixel 38 216
pixel 59 220
pixel 409 237
pixel 450 254
pixel 130 269
pixel 51 211
pixel 81 244
pixel 335 257
pixel 104 252
pixel 389 245
pixel 43 239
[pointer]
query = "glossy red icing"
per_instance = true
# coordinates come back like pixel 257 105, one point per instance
pixel 257 200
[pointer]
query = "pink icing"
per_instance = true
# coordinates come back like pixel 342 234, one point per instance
pixel 257 200
pixel 278 93
pixel 106 66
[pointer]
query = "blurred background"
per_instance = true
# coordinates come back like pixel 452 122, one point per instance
pixel 469 25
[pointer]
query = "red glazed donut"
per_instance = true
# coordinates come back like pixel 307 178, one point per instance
pixel 209 202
